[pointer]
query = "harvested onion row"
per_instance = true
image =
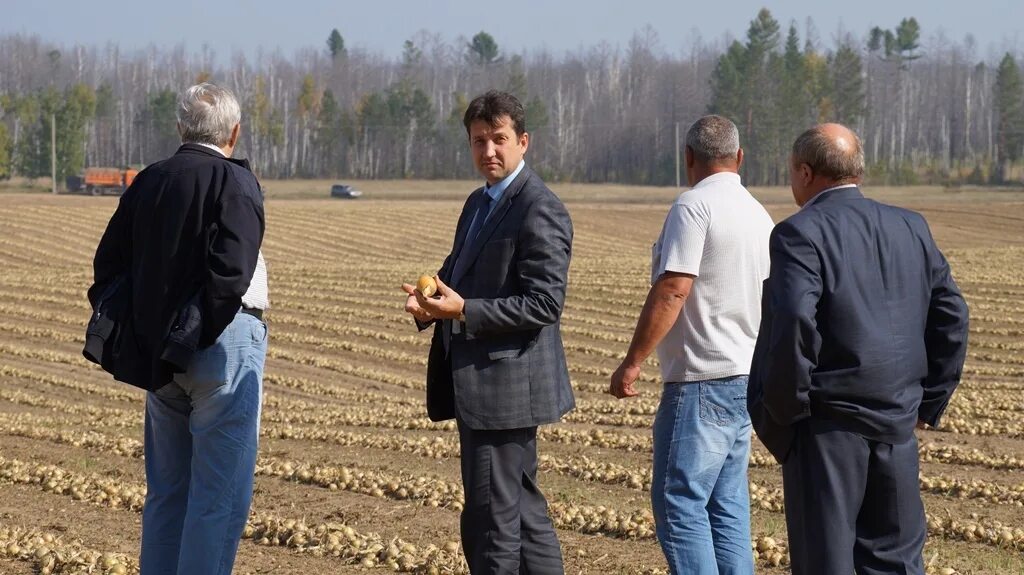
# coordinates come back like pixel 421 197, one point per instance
pixel 365 550
pixel 440 447
pixel 50 554
pixel 114 391
pixel 434 492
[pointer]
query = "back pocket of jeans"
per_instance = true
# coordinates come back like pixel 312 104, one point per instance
pixel 723 403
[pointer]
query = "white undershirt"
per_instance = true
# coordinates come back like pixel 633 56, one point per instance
pixel 258 294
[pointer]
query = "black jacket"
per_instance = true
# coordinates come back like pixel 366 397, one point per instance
pixel 862 324
pixel 186 235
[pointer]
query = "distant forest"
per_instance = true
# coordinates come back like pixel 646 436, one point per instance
pixel 932 112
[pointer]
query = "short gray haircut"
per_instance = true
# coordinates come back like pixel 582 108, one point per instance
pixel 829 157
pixel 207 114
pixel 713 138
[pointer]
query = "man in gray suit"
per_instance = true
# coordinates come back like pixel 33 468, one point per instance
pixel 496 362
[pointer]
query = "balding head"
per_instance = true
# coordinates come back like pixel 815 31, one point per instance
pixel 832 151
pixel 825 156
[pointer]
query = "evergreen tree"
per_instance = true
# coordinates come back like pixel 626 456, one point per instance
pixel 907 39
pixel 160 123
pixel 760 124
pixel 795 97
pixel 517 79
pixel 744 88
pixel 1009 95
pixel 727 83
pixel 336 45
pixel 536 115
pixel 5 152
pixel 482 50
pixel 330 135
pixel 411 56
pixel 899 45
pixel 875 40
pixel 105 101
pixel 847 86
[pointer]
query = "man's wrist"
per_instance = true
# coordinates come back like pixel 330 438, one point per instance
pixel 633 362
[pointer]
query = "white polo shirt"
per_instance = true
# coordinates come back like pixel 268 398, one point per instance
pixel 719 233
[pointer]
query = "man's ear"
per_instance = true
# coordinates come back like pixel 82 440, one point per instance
pixel 524 141
pixel 688 157
pixel 739 158
pixel 234 134
pixel 806 174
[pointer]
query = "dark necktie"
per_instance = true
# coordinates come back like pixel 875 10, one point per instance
pixel 483 209
pixel 479 218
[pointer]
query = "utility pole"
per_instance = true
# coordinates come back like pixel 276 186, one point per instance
pixel 677 154
pixel 53 152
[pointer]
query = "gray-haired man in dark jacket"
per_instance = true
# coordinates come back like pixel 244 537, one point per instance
pixel 186 240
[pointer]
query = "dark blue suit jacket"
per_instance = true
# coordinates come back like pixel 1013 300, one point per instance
pixel 861 324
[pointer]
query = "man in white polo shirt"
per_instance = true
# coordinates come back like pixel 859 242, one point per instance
pixel 702 315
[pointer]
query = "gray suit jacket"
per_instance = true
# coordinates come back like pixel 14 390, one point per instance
pixel 506 369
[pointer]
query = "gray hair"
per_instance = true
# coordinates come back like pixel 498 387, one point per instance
pixel 207 114
pixel 713 138
pixel 829 157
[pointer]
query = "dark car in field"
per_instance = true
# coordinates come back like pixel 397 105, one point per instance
pixel 344 191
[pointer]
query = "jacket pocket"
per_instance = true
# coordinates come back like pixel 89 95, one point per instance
pixel 504 348
pixel 183 339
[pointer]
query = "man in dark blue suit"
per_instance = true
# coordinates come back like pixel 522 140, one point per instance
pixel 863 337
pixel 497 364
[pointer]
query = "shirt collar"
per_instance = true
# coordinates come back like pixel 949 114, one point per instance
pixel 718 177
pixel 823 192
pixel 211 146
pixel 497 189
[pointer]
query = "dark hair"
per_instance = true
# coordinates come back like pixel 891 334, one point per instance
pixel 826 157
pixel 490 108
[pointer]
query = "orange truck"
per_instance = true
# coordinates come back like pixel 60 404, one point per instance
pixel 98 181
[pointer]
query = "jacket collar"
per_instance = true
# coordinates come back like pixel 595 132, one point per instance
pixel 201 149
pixel 838 193
pixel 504 203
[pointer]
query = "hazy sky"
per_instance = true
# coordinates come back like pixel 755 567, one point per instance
pixel 383 25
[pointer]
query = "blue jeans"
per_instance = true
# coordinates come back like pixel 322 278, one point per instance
pixel 699 490
pixel 201 437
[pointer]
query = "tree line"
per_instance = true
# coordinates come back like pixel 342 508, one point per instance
pixel 928 112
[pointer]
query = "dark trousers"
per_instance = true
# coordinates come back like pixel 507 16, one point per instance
pixel 852 505
pixel 505 525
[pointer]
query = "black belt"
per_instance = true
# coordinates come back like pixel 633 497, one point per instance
pixel 254 312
